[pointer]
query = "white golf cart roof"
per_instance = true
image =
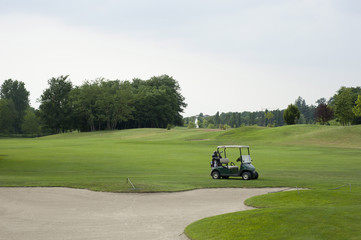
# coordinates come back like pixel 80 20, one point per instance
pixel 233 146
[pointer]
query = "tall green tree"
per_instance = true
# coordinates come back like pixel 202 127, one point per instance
pixel 31 123
pixel 158 102
pixel 269 116
pixel 307 111
pixel 152 109
pixel 279 120
pixel 176 102
pixel 291 114
pixel 251 118
pixel 344 101
pixel 55 107
pixel 357 108
pixel 217 120
pixel 102 104
pixel 238 119
pixel 114 103
pixel 16 92
pixel 83 100
pixel 7 116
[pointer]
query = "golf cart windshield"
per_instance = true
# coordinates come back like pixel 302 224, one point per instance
pixel 246 159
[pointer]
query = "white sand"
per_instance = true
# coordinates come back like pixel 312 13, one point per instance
pixel 64 213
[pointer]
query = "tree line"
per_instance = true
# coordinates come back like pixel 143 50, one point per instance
pixel 103 104
pixel 95 105
pixel 344 108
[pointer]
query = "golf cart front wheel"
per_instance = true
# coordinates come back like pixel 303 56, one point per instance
pixel 216 175
pixel 246 176
pixel 255 176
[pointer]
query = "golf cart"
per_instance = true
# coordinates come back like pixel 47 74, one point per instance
pixel 222 167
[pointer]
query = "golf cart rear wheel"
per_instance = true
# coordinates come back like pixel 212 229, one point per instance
pixel 246 176
pixel 216 175
pixel 255 176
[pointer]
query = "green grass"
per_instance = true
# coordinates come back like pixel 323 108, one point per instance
pixel 311 214
pixel 307 156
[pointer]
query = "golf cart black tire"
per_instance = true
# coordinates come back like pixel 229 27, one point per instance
pixel 216 175
pixel 255 175
pixel 246 176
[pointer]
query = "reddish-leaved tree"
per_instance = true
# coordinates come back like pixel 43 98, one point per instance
pixel 324 113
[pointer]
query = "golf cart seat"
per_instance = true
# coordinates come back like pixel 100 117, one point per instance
pixel 224 160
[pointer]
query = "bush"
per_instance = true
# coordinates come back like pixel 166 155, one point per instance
pixel 211 126
pixel 291 114
pixel 169 126
pixel 224 126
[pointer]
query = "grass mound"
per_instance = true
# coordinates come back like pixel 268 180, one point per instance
pixel 307 214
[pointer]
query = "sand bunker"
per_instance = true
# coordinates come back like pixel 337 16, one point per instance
pixel 64 213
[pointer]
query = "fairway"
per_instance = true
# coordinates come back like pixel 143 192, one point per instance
pixel 305 156
pixel 162 160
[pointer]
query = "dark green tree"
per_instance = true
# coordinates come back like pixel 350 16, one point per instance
pixel 307 111
pixel 114 103
pixel 238 119
pixel 217 120
pixel 152 108
pixel 291 114
pixel 31 123
pixel 16 92
pixel 252 118
pixel 55 107
pixel 83 100
pixel 7 116
pixel 102 104
pixel 158 102
pixel 232 120
pixel 175 99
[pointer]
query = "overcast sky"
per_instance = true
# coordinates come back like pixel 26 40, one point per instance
pixel 228 55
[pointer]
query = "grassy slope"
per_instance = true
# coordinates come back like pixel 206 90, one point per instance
pixel 317 157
